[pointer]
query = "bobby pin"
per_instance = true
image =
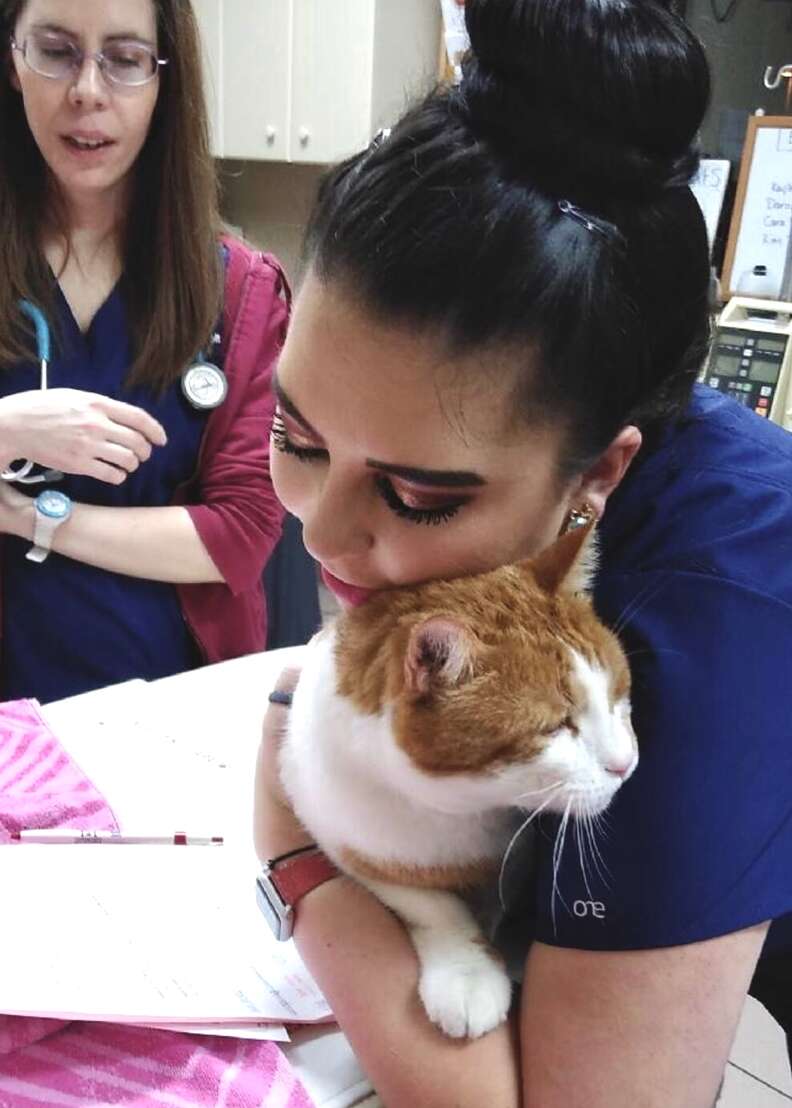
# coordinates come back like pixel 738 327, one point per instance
pixel 566 207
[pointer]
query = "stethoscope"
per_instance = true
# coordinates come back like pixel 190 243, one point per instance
pixel 203 383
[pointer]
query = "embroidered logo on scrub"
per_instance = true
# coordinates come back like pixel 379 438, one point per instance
pixel 585 908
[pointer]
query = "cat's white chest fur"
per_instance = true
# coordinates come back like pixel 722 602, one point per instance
pixel 345 776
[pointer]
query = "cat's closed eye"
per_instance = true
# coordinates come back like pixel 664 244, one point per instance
pixel 567 723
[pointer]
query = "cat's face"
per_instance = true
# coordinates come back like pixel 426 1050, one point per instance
pixel 505 690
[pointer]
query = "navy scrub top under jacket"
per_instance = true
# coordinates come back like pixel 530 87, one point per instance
pixel 68 627
pixel 696 568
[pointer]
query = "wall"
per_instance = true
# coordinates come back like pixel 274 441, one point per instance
pixel 757 35
pixel 271 202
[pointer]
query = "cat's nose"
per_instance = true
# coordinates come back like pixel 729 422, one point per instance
pixel 620 767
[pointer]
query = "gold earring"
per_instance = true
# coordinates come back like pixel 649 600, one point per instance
pixel 579 517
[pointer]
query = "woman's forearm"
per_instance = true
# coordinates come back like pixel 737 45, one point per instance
pixel 364 961
pixel 365 964
pixel 158 544
pixel 9 447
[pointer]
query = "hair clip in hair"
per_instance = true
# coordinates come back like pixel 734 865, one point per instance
pixel 381 136
pixel 566 207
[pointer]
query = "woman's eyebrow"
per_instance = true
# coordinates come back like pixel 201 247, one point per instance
pixel 290 407
pixel 55 29
pixel 130 36
pixel 442 478
pixel 118 36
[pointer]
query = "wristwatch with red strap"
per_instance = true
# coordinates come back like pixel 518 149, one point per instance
pixel 284 880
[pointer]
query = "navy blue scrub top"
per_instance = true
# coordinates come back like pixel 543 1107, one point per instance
pixel 68 627
pixel 696 570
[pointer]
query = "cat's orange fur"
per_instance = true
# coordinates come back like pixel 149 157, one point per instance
pixel 420 877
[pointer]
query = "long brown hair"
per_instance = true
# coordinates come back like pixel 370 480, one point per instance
pixel 172 275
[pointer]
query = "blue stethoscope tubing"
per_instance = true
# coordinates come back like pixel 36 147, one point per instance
pixel 38 319
pixel 43 346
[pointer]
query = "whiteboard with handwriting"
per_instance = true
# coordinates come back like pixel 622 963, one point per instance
pixel 709 188
pixel 765 218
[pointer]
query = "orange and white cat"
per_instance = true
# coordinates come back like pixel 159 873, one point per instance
pixel 428 720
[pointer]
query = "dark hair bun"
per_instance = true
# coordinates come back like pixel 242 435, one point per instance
pixel 589 97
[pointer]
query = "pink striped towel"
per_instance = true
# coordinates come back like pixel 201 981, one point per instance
pixel 107 1064
pixel 51 1063
pixel 40 786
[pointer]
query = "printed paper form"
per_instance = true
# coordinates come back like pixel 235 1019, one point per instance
pixel 261 1031
pixel 137 934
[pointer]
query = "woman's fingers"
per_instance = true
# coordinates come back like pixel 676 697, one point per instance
pixel 104 471
pixel 127 415
pixel 130 440
pixel 277 714
pixel 120 456
pixel 287 679
pixel 78 432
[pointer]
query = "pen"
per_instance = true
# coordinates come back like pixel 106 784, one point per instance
pixel 178 838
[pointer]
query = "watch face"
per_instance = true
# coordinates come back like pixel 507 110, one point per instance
pixel 204 385
pixel 53 504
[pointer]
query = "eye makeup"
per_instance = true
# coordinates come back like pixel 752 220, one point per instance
pixel 433 511
pixel 282 442
pixel 430 515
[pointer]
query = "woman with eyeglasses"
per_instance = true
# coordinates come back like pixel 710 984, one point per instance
pixel 136 509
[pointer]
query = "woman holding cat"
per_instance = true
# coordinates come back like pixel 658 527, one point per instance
pixel 500 328
pixel 162 516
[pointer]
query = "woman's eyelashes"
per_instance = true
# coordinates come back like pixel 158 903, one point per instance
pixel 440 513
pixel 282 442
pixel 434 515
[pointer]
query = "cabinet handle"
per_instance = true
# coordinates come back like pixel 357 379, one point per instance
pixel 271 133
pixel 304 136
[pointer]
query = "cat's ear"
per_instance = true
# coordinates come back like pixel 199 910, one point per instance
pixel 568 565
pixel 439 655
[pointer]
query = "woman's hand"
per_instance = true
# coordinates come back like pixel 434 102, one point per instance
pixel 276 829
pixel 77 432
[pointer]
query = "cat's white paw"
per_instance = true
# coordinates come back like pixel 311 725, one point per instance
pixel 466 993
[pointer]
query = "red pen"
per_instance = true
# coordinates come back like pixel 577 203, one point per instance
pixel 55 835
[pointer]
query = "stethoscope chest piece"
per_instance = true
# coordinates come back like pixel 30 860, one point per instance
pixel 205 385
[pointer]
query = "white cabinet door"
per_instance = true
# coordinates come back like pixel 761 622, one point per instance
pixel 209 15
pixel 256 78
pixel 332 50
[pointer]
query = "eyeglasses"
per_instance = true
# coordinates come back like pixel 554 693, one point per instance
pixel 57 57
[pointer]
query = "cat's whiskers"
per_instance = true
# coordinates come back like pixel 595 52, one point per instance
pixel 538 792
pixel 640 601
pixel 590 826
pixel 514 839
pixel 558 849
pixel 654 650
pixel 580 829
